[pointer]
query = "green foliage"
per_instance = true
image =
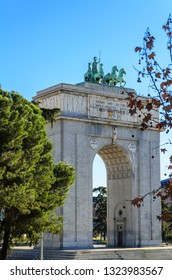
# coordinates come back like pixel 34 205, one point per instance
pixel 65 176
pixel 48 114
pixel 166 223
pixel 100 209
pixel 31 185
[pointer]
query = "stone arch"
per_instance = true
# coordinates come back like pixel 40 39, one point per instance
pixel 95 119
pixel 117 161
pixel 120 211
pixel 119 193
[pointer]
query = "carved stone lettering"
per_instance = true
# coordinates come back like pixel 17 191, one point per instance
pixel 110 108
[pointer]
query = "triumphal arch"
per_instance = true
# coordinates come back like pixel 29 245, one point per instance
pixel 94 119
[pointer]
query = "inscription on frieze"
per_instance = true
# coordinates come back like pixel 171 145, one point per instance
pixel 110 108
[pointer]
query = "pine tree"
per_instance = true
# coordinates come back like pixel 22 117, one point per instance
pixel 31 185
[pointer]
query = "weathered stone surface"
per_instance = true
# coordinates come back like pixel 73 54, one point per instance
pixel 95 119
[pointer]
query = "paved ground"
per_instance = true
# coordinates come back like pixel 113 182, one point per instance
pixel 147 253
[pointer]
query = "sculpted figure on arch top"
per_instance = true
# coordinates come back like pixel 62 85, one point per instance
pixel 96 75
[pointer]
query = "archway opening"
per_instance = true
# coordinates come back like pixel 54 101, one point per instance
pixel 99 202
pixel 119 192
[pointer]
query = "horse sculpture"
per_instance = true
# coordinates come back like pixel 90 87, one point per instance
pixel 96 76
pixel 120 78
pixel 110 78
pixel 93 75
pixel 88 77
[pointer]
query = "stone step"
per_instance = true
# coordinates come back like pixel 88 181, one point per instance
pixel 52 254
pixel 94 254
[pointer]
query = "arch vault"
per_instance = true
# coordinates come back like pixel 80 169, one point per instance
pixel 95 119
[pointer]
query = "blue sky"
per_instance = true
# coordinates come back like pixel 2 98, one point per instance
pixel 46 42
